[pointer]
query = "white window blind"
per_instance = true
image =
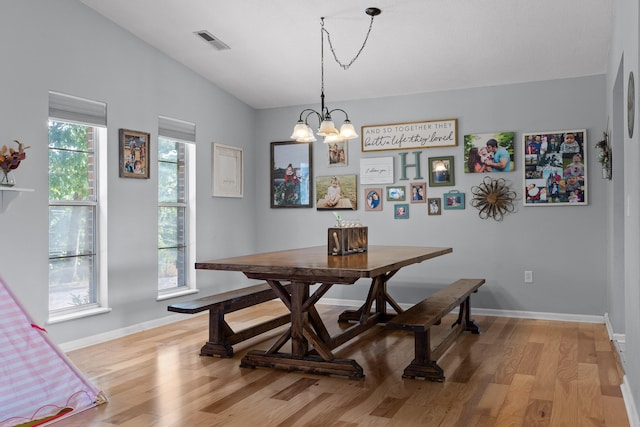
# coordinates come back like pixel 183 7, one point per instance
pixel 77 110
pixel 177 129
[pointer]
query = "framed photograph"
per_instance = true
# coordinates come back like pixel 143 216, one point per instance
pixel 453 200
pixel 337 153
pixel 373 199
pixel 226 171
pixel 337 192
pixel 291 171
pixel 134 154
pixel 441 171
pixel 489 152
pixel 555 168
pixel 412 135
pixel 396 193
pixel 418 192
pixel 376 170
pixel 434 205
pixel 401 211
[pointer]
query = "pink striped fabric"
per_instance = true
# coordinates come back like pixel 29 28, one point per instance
pixel 36 379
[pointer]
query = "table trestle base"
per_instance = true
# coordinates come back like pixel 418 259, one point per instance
pixel 309 364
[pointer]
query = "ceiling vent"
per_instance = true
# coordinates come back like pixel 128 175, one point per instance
pixel 212 40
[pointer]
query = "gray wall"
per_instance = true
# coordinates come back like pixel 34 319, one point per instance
pixel 66 47
pixel 550 241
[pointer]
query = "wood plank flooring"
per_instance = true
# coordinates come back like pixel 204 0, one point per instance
pixel 517 372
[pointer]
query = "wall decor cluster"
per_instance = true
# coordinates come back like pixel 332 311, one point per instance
pixel 291 171
pixel 489 152
pixel 403 136
pixel 226 176
pixel 134 154
pixel 494 198
pixel 555 168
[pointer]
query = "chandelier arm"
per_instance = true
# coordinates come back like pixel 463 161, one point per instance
pixel 335 56
pixel 309 111
pixel 339 109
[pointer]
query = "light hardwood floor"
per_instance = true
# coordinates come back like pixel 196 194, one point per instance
pixel 517 372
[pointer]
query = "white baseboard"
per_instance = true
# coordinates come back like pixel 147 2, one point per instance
pixel 123 332
pixel 629 403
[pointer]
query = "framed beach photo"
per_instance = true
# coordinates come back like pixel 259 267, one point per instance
pixel 489 152
pixel 291 169
pixel 396 193
pixel 555 168
pixel 337 192
pixel 373 199
pixel 441 171
pixel 134 154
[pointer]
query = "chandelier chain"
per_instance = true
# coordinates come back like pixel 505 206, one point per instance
pixel 333 51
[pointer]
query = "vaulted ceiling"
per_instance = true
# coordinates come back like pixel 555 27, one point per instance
pixel 415 46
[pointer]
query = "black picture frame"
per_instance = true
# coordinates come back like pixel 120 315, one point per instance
pixel 291 172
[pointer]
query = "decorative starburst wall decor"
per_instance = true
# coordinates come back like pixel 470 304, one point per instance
pixel 493 198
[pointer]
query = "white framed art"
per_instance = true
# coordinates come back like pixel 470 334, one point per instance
pixel 226 171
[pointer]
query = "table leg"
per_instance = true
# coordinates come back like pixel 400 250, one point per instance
pixel 378 293
pixel 306 328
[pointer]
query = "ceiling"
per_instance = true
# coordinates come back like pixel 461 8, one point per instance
pixel 415 46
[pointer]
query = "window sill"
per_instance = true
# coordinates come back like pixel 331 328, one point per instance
pixel 78 315
pixel 176 294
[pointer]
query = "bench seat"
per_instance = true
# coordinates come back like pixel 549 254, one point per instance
pixel 429 312
pixel 221 336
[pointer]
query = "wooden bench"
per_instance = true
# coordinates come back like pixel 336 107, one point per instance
pixel 221 336
pixel 429 312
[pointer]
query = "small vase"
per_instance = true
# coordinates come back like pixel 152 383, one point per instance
pixel 606 173
pixel 7 178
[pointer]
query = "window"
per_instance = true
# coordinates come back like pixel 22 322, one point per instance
pixel 76 127
pixel 176 215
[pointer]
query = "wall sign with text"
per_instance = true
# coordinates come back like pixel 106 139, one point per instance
pixel 402 136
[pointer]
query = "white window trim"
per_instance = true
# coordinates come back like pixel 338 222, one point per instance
pixel 101 243
pixel 191 287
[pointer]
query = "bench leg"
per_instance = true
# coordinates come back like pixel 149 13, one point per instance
pixel 219 330
pixel 470 325
pixel 422 366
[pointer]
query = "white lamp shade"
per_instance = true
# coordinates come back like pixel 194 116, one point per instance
pixel 301 130
pixel 327 128
pixel 333 138
pixel 309 137
pixel 347 131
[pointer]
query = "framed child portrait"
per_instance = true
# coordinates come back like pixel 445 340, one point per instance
pixel 337 192
pixel 401 211
pixel 453 200
pixel 373 199
pixel 441 171
pixel 434 205
pixel 134 154
pixel 291 169
pixel 555 168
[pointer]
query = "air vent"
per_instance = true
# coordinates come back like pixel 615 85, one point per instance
pixel 212 40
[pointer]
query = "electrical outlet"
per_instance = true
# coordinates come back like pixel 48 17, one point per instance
pixel 528 276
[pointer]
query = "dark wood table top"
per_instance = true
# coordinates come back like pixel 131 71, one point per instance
pixel 316 265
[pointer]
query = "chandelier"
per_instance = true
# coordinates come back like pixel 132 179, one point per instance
pixel 302 132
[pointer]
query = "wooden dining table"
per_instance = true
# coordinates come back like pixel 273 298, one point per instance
pixel 311 345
